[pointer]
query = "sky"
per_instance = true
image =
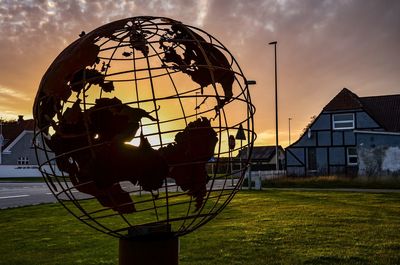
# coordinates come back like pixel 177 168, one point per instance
pixel 323 46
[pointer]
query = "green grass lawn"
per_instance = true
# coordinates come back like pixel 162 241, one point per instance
pixel 329 182
pixel 273 227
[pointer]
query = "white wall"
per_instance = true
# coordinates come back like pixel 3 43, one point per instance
pixel 15 171
pixel 20 171
pixel 379 160
pixel 391 161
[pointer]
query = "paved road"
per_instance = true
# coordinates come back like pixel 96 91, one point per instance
pixel 20 194
pixel 16 194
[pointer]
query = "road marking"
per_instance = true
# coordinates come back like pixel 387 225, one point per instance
pixel 74 191
pixel 15 196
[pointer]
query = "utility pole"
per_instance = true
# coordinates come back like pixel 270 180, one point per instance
pixel 276 107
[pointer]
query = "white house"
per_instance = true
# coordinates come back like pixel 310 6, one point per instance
pixel 17 154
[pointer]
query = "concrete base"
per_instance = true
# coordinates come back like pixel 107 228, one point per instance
pixel 149 250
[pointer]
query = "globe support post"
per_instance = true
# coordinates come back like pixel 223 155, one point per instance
pixel 149 251
pixel 149 245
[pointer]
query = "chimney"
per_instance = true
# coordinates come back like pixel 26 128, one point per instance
pixel 20 118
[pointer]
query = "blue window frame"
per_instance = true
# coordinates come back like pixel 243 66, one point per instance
pixel 343 121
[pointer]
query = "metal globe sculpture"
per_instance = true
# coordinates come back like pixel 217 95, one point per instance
pixel 134 125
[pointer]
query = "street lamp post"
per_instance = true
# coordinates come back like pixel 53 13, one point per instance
pixel 289 129
pixel 276 107
pixel 1 141
pixel 248 83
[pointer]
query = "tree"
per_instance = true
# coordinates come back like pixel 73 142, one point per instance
pixel 6 121
pixel 312 119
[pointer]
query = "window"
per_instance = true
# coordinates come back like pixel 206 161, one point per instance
pixel 23 160
pixel 352 156
pixel 343 121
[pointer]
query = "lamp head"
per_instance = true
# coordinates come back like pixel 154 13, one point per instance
pixel 251 82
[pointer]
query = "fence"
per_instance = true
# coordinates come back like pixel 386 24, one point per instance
pixel 258 176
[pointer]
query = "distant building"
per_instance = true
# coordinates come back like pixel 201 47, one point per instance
pixel 17 154
pixel 351 136
pixel 263 158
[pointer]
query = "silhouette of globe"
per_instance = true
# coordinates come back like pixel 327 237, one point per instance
pixel 135 123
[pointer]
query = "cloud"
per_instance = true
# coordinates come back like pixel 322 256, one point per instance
pixel 202 6
pixel 35 32
pixel 10 101
pixel 12 93
pixel 265 137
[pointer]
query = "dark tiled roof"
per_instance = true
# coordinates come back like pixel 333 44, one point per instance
pixel 13 129
pixel 260 152
pixel 343 101
pixel 385 110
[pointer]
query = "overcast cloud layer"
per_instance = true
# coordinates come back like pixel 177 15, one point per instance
pixel 323 46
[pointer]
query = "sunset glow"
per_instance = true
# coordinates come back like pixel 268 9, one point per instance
pixel 323 46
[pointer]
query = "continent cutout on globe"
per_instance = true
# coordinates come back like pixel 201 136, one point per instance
pixel 202 61
pixel 104 159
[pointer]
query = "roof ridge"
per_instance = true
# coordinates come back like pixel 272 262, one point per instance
pixel 344 100
pixel 13 129
pixel 385 110
pixel 381 96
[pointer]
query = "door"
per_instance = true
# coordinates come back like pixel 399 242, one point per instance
pixel 312 159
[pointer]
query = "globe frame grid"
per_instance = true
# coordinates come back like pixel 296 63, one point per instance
pixel 66 193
